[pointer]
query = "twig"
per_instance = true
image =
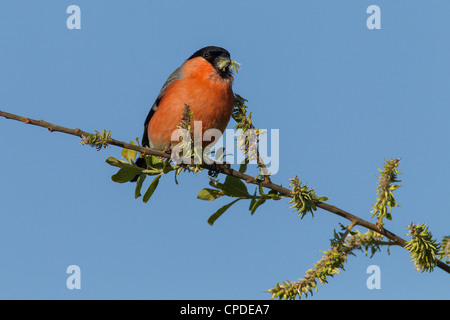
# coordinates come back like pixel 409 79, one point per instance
pixel 227 171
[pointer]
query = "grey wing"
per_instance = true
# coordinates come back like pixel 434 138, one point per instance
pixel 177 74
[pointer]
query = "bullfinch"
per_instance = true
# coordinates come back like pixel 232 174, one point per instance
pixel 204 83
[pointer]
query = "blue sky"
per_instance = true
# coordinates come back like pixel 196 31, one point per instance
pixel 342 96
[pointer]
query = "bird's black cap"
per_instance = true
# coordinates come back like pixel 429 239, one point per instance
pixel 210 53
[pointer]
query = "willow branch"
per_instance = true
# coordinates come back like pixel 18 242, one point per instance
pixel 227 171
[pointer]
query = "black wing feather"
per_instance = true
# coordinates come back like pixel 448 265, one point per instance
pixel 177 74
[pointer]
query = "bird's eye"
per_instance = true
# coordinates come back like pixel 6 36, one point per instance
pixel 206 55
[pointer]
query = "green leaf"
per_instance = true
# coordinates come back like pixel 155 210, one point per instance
pixel 151 172
pixel 243 167
pixel 151 189
pixel 257 204
pixel 176 173
pixel 167 167
pixel 154 162
pixel 234 187
pixel 116 163
pixel 140 180
pixel 210 194
pixel 261 191
pixel 128 154
pixel 219 212
pixel 253 201
pixel 126 173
